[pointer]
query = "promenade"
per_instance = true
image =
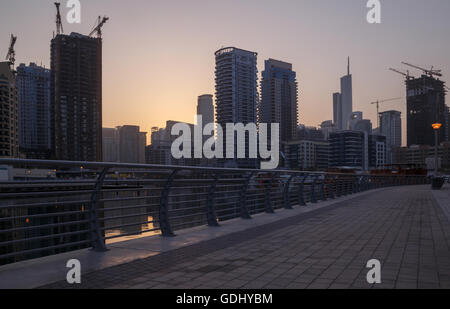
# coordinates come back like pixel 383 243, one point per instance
pixel 326 245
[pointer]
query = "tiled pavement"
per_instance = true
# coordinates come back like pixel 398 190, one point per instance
pixel 403 227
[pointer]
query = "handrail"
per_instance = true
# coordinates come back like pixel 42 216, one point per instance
pixel 84 204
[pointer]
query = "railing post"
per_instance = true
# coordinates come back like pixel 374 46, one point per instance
pixel 164 223
pixel 330 188
pixel 313 190
pixel 322 189
pixel 243 196
pixel 267 199
pixel 211 215
pixel 286 199
pixel 338 186
pixel 97 237
pixel 301 198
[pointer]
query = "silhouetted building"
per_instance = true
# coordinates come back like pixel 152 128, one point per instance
pixel 306 154
pixel 236 96
pixel 9 125
pixel 76 97
pixel 279 98
pixel 309 133
pixel 391 127
pixel 33 87
pixel 327 127
pixel 425 106
pixel 124 144
pixel 343 102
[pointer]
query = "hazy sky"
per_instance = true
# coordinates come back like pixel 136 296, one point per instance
pixel 158 56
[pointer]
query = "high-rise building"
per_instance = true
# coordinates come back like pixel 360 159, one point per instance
pixel 327 127
pixel 425 106
pixel 347 149
pixel 346 97
pixel 76 97
pixel 9 125
pixel 205 108
pixel 391 127
pixel 343 102
pixel 110 146
pixel 125 144
pixel 279 96
pixel 33 87
pixel 337 110
pixel 236 96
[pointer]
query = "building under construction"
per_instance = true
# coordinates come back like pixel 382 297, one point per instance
pixel 425 106
pixel 9 127
pixel 76 98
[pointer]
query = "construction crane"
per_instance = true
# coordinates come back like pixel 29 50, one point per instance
pixel 11 56
pixel 98 29
pixel 430 72
pixel 59 26
pixel 378 107
pixel 408 77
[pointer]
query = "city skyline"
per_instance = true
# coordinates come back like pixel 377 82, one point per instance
pixel 179 51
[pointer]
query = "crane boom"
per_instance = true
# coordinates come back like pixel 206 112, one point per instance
pixel 11 56
pixel 401 73
pixel 59 26
pixel 98 29
pixel 427 72
pixel 378 107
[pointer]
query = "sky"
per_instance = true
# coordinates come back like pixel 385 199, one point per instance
pixel 158 56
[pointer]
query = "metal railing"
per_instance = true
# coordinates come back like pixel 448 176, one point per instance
pixel 59 206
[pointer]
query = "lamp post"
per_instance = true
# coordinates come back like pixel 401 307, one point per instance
pixel 436 127
pixel 437 182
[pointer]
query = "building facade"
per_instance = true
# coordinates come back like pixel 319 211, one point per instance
pixel 76 97
pixel 124 144
pixel 279 98
pixel 9 123
pixel 343 102
pixel 236 97
pixel 391 127
pixel 425 106
pixel 33 87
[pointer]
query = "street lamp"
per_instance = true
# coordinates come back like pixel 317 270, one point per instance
pixel 436 182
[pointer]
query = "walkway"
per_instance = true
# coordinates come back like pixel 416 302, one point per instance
pixel 403 227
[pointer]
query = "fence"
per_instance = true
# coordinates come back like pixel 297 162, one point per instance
pixel 59 206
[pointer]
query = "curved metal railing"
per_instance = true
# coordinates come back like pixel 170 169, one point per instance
pixel 59 206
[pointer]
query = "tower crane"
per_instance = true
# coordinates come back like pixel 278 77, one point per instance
pixel 11 56
pixel 98 29
pixel 430 72
pixel 59 26
pixel 402 73
pixel 378 107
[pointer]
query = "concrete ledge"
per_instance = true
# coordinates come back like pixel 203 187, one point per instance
pixel 46 270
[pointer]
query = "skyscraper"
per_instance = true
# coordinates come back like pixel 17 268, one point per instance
pixel 337 111
pixel 391 127
pixel 343 102
pixel 205 108
pixel 76 97
pixel 425 106
pixel 9 127
pixel 125 144
pixel 279 98
pixel 236 95
pixel 346 97
pixel 33 86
